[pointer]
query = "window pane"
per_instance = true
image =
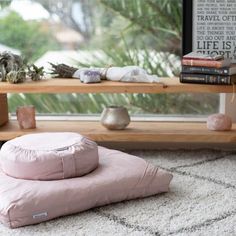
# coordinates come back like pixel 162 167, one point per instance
pixel 96 33
pixel 137 104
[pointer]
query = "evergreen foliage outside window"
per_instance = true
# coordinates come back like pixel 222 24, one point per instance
pixel 128 32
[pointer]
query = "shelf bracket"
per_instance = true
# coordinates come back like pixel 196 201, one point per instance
pixel 3 109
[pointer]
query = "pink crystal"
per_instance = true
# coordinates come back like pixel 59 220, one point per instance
pixel 219 122
pixel 26 117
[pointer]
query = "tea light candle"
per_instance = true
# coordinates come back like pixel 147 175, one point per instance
pixel 26 117
pixel 219 122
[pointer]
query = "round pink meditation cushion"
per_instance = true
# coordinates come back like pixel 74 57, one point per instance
pixel 219 122
pixel 49 156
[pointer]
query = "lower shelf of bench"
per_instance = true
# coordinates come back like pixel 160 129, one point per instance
pixel 173 132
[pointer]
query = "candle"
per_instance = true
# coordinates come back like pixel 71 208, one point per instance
pixel 26 117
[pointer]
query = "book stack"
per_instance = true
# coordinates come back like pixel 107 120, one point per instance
pixel 206 69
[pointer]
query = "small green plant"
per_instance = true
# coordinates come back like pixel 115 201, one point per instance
pixel 15 77
pixel 9 62
pixel 35 73
pixel 14 70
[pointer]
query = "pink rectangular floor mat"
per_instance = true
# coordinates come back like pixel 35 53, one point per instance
pixel 119 177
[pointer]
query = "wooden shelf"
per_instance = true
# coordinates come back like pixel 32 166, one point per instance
pixel 75 86
pixel 173 132
pixel 162 132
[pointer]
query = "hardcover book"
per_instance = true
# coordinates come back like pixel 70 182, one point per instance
pixel 208 79
pixel 200 56
pixel 231 70
pixel 207 63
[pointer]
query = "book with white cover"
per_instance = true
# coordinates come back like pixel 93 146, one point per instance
pixel 201 56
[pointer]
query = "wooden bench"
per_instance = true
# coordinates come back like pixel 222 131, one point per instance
pixel 176 132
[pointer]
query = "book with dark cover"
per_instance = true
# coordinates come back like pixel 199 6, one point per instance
pixel 231 70
pixel 207 79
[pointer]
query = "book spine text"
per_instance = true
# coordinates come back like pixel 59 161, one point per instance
pixel 205 79
pixel 205 70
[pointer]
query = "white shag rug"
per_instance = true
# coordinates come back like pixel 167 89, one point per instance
pixel 201 201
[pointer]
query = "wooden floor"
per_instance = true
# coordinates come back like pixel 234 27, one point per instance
pixel 173 132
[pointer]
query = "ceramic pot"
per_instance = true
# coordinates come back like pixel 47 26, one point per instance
pixel 115 117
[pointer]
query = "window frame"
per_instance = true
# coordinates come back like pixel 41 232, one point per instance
pixel 186 45
pixel 187 20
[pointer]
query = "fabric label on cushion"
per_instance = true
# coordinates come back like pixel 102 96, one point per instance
pixel 40 215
